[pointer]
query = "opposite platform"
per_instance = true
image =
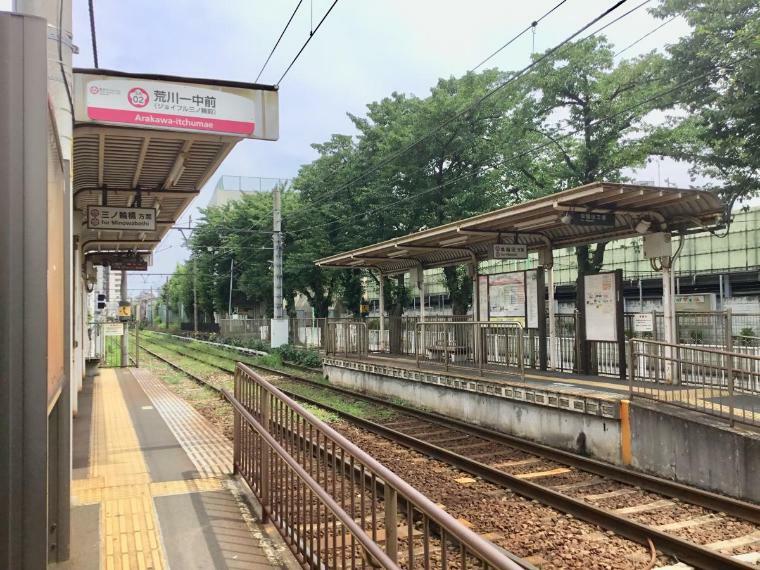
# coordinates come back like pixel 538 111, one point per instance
pixel 151 488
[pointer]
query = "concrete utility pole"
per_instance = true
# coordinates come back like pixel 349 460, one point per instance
pixel 195 297
pixel 279 329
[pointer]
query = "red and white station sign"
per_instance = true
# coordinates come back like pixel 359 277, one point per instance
pixel 169 105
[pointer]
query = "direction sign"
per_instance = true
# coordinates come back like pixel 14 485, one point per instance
pixel 115 218
pixel 509 251
pixel 592 219
pixel 129 264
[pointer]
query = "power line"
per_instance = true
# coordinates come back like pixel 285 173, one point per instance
pixel 303 47
pixel 525 30
pixel 520 155
pixel 481 99
pixel 92 34
pixel 629 46
pixel 278 40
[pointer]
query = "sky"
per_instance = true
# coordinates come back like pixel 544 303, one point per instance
pixel 363 52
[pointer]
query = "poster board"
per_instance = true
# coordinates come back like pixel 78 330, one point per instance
pixel 483 297
pixel 531 299
pixel 506 296
pixel 643 322
pixel 601 296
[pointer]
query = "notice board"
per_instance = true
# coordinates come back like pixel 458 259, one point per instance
pixel 601 298
pixel 532 299
pixel 506 295
pixel 483 297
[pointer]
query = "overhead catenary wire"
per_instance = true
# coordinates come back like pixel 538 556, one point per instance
pixel 472 106
pixel 277 43
pixel 526 29
pixel 645 36
pixel 303 47
pixel 519 155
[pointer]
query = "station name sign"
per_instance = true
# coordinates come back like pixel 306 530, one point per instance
pixel 116 218
pixel 509 251
pixel 129 264
pixel 592 219
pixel 211 107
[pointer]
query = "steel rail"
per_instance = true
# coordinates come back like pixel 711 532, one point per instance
pixel 700 497
pixel 684 550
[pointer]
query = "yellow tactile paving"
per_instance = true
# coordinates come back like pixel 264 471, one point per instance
pixel 120 481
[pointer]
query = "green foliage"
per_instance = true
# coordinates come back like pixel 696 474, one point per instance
pixel 719 131
pixel 300 356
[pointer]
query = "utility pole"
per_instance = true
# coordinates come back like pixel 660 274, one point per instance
pixel 124 337
pixel 229 306
pixel 279 329
pixel 195 274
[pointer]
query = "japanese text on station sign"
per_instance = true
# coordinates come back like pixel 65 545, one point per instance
pixel 115 218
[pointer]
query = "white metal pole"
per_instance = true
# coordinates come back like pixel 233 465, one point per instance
pixel 195 297
pixel 382 312
pixel 229 306
pixel 553 353
pixel 668 317
pixel 124 347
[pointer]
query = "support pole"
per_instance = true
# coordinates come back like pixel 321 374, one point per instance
pixel 229 306
pixel 195 296
pixel 668 311
pixel 279 329
pixel 548 264
pixel 382 311
pixel 124 337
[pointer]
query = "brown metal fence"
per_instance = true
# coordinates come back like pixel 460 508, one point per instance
pixel 718 382
pixel 481 345
pixel 334 505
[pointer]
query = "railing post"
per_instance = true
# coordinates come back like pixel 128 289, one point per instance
pixel 266 453
pixel 417 343
pixel 730 367
pixel 631 364
pixel 521 352
pixel 137 344
pixel 390 502
pixel 236 429
pixel 481 333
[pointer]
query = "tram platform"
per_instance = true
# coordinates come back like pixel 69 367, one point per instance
pixel 589 415
pixel 150 486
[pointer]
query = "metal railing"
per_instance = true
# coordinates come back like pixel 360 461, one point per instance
pixel 258 329
pixel 481 345
pixel 721 383
pixel 347 337
pixel 334 505
pixel 307 333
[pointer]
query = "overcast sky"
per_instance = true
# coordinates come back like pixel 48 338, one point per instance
pixel 363 52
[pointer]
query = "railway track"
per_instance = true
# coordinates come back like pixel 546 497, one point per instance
pixel 687 523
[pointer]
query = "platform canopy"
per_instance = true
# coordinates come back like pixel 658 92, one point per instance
pixel 144 146
pixel 593 213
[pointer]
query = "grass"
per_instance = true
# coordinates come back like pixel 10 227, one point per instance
pixel 184 352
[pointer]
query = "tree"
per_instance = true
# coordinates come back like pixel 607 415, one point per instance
pixel 589 113
pixel 719 132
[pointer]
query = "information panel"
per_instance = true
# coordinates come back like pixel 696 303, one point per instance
pixel 531 299
pixel 601 307
pixel 483 297
pixel 506 295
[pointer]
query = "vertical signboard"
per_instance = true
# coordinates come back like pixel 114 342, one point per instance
pixel 600 299
pixel 603 300
pixel 483 298
pixel 531 299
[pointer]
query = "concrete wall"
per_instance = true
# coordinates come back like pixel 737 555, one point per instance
pixel 578 432
pixel 695 449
